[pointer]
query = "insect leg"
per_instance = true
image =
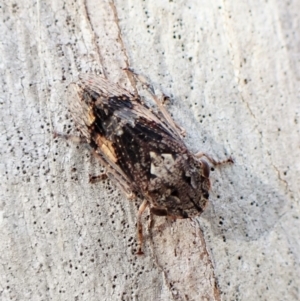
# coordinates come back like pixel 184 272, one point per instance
pixel 99 178
pixel 212 160
pixel 159 211
pixel 140 227
pixel 73 138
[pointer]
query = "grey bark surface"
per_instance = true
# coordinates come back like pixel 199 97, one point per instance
pixel 232 71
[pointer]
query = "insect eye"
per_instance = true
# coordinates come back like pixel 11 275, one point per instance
pixel 205 169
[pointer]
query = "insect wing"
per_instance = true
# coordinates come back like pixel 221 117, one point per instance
pixel 122 130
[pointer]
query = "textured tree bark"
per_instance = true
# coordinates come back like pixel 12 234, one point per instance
pixel 231 69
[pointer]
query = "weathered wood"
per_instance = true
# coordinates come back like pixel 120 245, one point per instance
pixel 232 71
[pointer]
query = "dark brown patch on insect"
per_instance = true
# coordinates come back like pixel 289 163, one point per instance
pixel 141 150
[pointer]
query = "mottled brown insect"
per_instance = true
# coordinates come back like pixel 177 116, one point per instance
pixel 142 150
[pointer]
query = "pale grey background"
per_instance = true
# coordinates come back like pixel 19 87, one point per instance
pixel 232 71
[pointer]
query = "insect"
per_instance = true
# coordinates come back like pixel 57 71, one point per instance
pixel 142 150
